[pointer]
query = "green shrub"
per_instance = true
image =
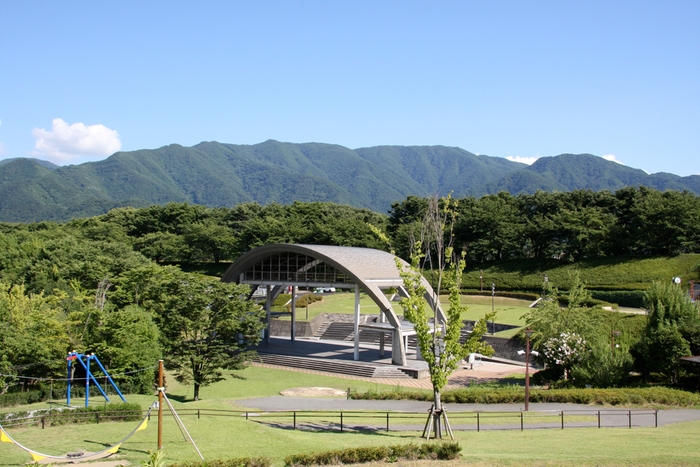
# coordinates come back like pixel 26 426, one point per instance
pixel 308 298
pixel 280 303
pixel 118 411
pixel 20 398
pixel 282 299
pixel 236 462
pixel 515 394
pixel 431 451
pixel 628 298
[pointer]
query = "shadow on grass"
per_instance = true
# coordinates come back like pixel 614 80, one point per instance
pixel 109 445
pixel 510 381
pixel 180 398
pixel 325 427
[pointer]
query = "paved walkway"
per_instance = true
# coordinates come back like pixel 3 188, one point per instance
pixel 611 417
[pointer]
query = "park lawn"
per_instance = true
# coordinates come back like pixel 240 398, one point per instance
pixel 509 310
pixel 341 302
pixel 233 436
pixel 228 437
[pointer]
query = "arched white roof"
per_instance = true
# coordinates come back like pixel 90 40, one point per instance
pixel 322 265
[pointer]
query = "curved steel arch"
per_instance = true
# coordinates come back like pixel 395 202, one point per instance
pixel 369 269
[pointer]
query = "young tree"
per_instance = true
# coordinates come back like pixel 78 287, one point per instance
pixel 440 344
pixel 564 334
pixel 206 327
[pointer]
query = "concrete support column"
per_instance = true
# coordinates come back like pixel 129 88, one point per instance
pixel 268 311
pixel 398 354
pixel 356 355
pixel 294 313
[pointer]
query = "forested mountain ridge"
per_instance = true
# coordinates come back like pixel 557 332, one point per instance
pixel 569 172
pixel 215 174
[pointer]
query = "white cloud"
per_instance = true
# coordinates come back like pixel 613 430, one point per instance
pixel 612 158
pixel 523 160
pixel 66 143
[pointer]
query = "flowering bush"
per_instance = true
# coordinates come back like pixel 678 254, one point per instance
pixel 565 350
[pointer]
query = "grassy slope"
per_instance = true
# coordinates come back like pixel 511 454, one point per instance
pixel 602 273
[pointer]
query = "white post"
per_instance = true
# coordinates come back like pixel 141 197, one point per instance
pixel 294 312
pixel 357 323
pixel 382 319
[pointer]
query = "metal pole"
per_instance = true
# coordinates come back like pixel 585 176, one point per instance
pixel 70 379
pixel 268 314
pixel 160 405
pixel 356 328
pixel 527 372
pixel 493 307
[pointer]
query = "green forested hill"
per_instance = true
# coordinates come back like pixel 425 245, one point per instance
pixel 215 174
pixel 569 172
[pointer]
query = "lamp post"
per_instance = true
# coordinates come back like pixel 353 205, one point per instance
pixel 493 307
pixel 528 332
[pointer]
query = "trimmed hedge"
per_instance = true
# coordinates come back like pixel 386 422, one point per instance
pixel 23 398
pixel 431 451
pixel 119 411
pixel 237 462
pixel 629 298
pixel 43 392
pixel 515 394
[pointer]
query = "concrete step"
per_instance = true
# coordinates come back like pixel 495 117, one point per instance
pixel 331 366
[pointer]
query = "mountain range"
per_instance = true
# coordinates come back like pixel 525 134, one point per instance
pixel 215 174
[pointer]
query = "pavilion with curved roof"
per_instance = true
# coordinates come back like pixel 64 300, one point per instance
pixel 372 271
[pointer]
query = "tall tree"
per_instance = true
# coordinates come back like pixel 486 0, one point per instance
pixel 672 323
pixel 206 327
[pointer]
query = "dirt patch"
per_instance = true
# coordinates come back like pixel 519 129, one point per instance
pixel 313 392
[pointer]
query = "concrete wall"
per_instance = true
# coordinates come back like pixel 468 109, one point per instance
pixel 506 348
pixel 283 328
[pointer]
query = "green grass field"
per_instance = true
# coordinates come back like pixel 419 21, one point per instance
pixel 616 273
pixel 227 437
pixel 508 310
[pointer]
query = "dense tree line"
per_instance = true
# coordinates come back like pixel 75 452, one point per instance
pixel 571 226
pixel 568 226
pixel 81 286
pixel 98 284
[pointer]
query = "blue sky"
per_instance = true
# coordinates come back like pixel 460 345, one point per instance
pixel 518 79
